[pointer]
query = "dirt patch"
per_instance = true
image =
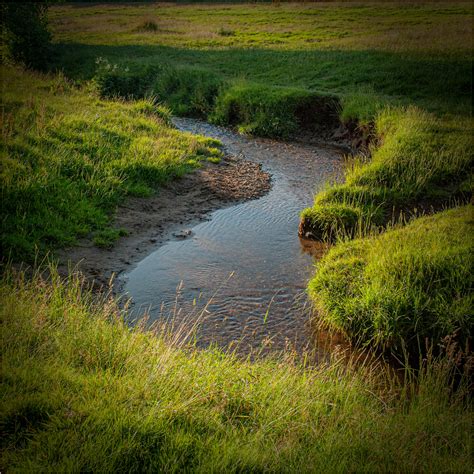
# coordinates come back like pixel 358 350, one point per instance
pixel 150 222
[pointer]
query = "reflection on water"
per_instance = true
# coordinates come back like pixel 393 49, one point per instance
pixel 246 263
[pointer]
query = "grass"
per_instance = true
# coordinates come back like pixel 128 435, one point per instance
pixel 69 157
pixel 423 161
pixel 251 108
pixel 403 287
pixel 419 54
pixel 82 391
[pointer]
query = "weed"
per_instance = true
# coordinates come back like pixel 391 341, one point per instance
pixel 149 26
pixel 225 32
pixel 106 238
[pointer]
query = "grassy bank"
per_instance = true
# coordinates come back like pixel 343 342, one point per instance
pixel 404 287
pixel 423 163
pixel 69 157
pixel 267 111
pixel 84 392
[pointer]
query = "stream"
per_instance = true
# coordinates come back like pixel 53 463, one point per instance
pixel 242 274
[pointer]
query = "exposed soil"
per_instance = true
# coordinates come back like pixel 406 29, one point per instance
pixel 178 205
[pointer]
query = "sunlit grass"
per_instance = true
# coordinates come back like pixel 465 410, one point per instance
pixel 82 391
pixel 420 53
pixel 437 27
pixel 401 288
pixel 421 162
pixel 69 157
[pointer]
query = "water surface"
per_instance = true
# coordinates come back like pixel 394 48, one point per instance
pixel 246 263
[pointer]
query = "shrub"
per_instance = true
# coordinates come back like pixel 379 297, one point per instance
pixel 225 32
pixel 149 26
pixel 26 32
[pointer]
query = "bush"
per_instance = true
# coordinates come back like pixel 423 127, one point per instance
pixel 26 32
pixel 188 91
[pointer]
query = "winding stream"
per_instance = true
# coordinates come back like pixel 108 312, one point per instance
pixel 246 265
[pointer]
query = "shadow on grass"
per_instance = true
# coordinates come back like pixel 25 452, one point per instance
pixel 441 84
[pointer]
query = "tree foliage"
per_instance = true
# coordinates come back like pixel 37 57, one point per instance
pixel 25 31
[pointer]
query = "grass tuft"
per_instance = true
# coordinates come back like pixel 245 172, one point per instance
pixel 403 287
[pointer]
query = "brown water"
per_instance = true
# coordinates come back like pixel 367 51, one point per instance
pixel 246 263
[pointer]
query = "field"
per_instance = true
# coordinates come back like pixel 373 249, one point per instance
pixel 415 54
pixel 85 392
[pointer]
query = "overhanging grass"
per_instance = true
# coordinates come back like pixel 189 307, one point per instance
pixel 404 286
pixel 252 108
pixel 68 157
pixel 273 111
pixel 82 391
pixel 422 161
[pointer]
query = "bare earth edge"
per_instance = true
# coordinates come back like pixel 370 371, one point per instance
pixel 150 222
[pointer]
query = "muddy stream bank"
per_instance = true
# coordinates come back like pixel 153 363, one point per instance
pixel 221 245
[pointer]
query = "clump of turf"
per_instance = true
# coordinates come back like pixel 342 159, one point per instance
pixel 188 91
pixel 397 289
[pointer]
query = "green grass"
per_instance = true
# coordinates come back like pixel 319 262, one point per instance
pixel 251 108
pixel 419 54
pixel 69 157
pixel 82 391
pixel 403 287
pixel 422 161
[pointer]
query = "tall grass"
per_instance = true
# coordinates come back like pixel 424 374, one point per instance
pixel 68 158
pixel 251 108
pixel 82 391
pixel 421 162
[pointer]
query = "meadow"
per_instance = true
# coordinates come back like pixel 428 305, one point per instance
pixel 84 391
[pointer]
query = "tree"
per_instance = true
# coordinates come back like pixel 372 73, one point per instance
pixel 26 34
